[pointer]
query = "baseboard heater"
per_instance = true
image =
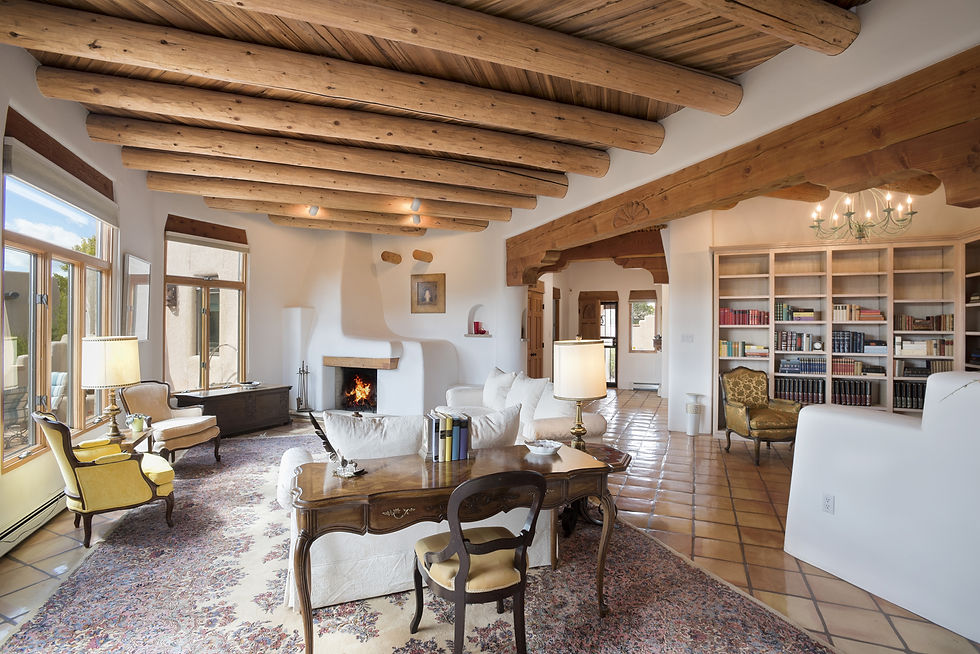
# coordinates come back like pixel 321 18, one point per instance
pixel 31 522
pixel 646 386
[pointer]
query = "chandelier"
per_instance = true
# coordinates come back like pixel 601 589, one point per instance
pixel 862 215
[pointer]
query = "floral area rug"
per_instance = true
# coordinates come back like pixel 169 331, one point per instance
pixel 215 582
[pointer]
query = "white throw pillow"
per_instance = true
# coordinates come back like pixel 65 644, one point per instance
pixel 496 387
pixel 526 391
pixel 373 437
pixel 497 429
pixel 551 407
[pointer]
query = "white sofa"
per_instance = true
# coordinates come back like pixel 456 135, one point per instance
pixel 346 567
pixel 542 415
pixel 904 490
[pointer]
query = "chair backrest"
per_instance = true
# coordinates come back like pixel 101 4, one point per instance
pixel 524 488
pixel 151 398
pixel 750 387
pixel 59 439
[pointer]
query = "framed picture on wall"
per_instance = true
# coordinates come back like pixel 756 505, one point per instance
pixel 429 293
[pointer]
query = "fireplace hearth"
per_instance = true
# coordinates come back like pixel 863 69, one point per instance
pixel 357 389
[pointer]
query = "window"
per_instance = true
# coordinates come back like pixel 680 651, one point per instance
pixel 57 238
pixel 644 335
pixel 204 304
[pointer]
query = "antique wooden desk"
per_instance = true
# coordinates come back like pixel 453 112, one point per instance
pixel 400 491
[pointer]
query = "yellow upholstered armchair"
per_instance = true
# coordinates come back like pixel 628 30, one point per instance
pixel 171 429
pixel 100 477
pixel 751 413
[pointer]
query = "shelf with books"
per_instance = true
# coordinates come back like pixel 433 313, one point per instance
pixel 743 358
pixel 800 322
pixel 922 356
pixel 743 297
pixel 743 326
pixel 922 332
pixel 751 276
pixel 817 353
pixel 860 322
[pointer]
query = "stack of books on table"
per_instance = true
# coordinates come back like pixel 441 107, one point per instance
pixel 448 435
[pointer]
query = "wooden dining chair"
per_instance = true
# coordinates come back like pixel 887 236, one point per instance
pixel 482 564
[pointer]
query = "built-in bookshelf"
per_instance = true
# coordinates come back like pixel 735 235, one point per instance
pixel 858 325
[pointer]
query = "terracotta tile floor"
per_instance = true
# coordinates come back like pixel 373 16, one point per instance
pixel 728 515
pixel 717 508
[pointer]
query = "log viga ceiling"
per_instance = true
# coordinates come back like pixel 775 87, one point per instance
pixel 373 111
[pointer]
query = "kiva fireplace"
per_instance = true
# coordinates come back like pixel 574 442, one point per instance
pixel 357 389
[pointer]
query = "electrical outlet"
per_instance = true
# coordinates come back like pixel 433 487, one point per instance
pixel 828 504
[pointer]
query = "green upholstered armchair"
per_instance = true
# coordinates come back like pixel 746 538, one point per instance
pixel 751 413
pixel 100 477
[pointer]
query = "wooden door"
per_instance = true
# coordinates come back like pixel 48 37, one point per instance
pixel 589 312
pixel 535 330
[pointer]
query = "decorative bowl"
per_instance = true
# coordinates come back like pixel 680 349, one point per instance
pixel 250 384
pixel 542 447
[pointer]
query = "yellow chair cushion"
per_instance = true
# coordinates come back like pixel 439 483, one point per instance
pixel 771 419
pixel 157 469
pixel 88 453
pixel 166 430
pixel 487 571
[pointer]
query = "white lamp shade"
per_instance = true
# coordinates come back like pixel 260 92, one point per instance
pixel 580 370
pixel 110 361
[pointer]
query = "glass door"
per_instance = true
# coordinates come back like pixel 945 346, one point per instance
pixel 184 325
pixel 19 350
pixel 608 329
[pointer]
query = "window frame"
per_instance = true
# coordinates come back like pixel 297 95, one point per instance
pixel 656 320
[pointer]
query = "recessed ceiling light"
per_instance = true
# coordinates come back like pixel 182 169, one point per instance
pixel 314 210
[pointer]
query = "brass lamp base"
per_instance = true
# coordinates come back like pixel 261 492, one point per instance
pixel 578 429
pixel 110 413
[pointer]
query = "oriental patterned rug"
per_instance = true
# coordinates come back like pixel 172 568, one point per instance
pixel 214 584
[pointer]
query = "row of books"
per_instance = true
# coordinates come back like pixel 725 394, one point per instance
pixel 729 316
pixel 843 312
pixel 741 349
pixel 905 369
pixel 795 341
pixel 909 395
pixel 449 436
pixel 844 341
pixel 803 366
pixel 849 366
pixel 785 311
pixel 805 391
pixel 924 347
pixel 853 392
pixel 938 323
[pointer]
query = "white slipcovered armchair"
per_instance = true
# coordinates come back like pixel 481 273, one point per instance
pixel 904 489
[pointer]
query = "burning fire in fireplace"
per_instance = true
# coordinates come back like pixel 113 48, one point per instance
pixel 360 395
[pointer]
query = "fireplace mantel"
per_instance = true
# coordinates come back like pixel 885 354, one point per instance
pixel 361 362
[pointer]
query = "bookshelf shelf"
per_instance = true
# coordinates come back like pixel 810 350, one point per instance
pixel 927 300
pixel 743 358
pixel 800 322
pixel 801 274
pixel 861 377
pixel 861 295
pixel 972 305
pixel 917 356
pixel 800 296
pixel 922 379
pixel 973 333
pixel 900 410
pixel 743 326
pixel 857 354
pixel 972 275
pixel 743 297
pixel 920 271
pixel 814 375
pixel 819 353
pixel 860 274
pixel 753 276
pixel 972 366
pixel 860 322
pixel 921 332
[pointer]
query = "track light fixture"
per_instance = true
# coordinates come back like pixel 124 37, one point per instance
pixel 416 219
pixel 314 210
pixel 416 203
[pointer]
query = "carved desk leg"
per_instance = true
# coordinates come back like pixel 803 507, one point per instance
pixel 608 520
pixel 554 540
pixel 301 572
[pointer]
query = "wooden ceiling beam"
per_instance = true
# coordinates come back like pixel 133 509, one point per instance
pixel 273 149
pixel 461 31
pixel 656 266
pixel 233 188
pixel 345 215
pixel 224 168
pixel 311 120
pixel 929 116
pixel 643 244
pixel 338 226
pixel 813 24
pixel 805 192
pixel 48 28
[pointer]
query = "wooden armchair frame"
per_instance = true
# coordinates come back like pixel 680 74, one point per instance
pixel 166 452
pixel 530 488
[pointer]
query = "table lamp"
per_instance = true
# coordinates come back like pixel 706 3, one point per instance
pixel 580 375
pixel 108 363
